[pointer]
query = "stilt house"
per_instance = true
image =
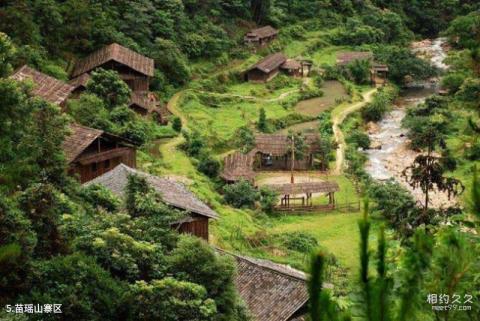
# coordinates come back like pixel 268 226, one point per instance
pixel 172 193
pixel 92 152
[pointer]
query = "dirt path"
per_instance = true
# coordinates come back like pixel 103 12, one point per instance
pixel 338 116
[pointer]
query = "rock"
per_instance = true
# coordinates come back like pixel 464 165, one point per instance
pixel 375 145
pixel 372 128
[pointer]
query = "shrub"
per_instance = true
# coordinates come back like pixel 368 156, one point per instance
pixel 300 242
pixel 99 196
pixel 452 82
pixel 209 166
pixel 268 199
pixel 194 143
pixel 359 138
pixel 241 194
pixel 177 124
pixel 473 153
pixel 375 110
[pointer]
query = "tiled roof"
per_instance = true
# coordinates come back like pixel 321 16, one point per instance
pixel 118 53
pixel 80 138
pixel 52 90
pixel 262 32
pixel 272 292
pixel 173 193
pixel 305 187
pixel 238 166
pixel 345 58
pixel 270 62
pixel 278 145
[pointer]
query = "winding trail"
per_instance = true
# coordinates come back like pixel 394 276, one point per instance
pixel 338 116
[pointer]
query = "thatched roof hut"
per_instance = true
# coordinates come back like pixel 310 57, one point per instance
pixel 279 145
pixel 238 166
pixel 345 58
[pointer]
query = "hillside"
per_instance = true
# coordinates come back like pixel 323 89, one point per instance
pixel 238 160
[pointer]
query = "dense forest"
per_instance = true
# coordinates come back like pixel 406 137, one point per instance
pixel 105 257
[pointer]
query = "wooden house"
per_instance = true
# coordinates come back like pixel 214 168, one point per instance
pixel 46 87
pixel 172 193
pixel 378 72
pixel 272 152
pixel 237 167
pixel 271 291
pixel 92 152
pixel 292 68
pixel 265 69
pixel 135 69
pixel 298 196
pixel 261 36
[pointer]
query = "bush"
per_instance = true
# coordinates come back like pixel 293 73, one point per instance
pixel 452 82
pixel 209 166
pixel 300 242
pixel 194 143
pixel 99 196
pixel 473 153
pixel 241 194
pixel 268 199
pixel 177 124
pixel 375 110
pixel 359 138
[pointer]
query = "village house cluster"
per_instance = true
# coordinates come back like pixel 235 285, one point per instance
pixel 272 292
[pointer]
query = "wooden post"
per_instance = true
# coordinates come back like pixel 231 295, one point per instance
pixel 292 179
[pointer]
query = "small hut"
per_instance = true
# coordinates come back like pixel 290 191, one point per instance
pixel 135 69
pixel 298 196
pixel 46 87
pixel 272 152
pixel 237 167
pixel 92 152
pixel 261 36
pixel 292 68
pixel 266 69
pixel 379 74
pixel 172 193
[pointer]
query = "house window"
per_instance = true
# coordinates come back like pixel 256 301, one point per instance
pixel 106 164
pixel 94 167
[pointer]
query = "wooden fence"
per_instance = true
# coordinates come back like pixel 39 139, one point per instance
pixel 341 207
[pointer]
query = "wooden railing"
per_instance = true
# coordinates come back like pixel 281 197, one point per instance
pixel 341 207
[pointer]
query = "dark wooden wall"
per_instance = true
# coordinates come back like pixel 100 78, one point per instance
pixel 256 75
pixel 198 227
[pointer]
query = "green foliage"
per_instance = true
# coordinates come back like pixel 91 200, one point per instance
pixel 380 105
pixel 359 139
pixel 89 110
pixel 7 51
pixel 107 85
pixel 244 139
pixel 268 199
pixel 194 261
pixel 99 196
pixel 177 124
pixel 300 241
pixel 194 143
pixel 469 91
pixel 262 121
pixel 171 61
pixel 360 71
pixel 428 123
pixel 403 65
pixel 169 299
pixel 464 31
pixel 240 194
pixel 85 290
pixel 453 81
pixel 208 166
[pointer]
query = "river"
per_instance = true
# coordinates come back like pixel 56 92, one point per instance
pixel 391 153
